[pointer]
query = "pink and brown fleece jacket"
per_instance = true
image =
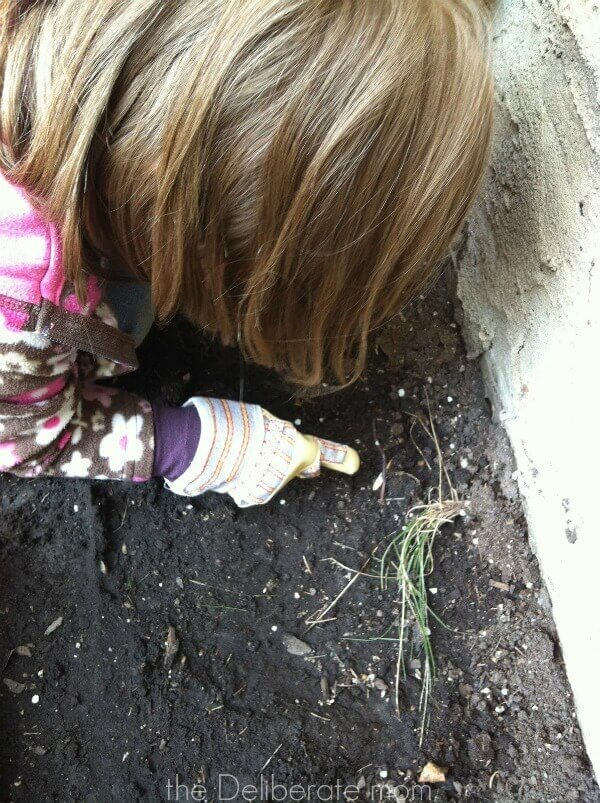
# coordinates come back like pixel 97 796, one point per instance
pixel 54 419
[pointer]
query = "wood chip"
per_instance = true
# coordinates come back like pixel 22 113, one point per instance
pixel 171 646
pixel 54 626
pixel 502 586
pixel 24 650
pixel 431 773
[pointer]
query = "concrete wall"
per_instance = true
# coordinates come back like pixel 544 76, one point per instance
pixel 529 283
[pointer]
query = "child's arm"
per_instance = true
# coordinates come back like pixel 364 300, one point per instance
pixel 251 455
pixel 52 423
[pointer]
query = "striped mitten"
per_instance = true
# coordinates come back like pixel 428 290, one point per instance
pixel 248 453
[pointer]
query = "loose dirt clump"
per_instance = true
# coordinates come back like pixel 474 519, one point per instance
pixel 148 639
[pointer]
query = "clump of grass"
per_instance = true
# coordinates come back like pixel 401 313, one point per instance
pixel 405 563
pixel 404 567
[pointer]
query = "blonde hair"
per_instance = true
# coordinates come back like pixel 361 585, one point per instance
pixel 284 172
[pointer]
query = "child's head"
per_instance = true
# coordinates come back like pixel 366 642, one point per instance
pixel 285 172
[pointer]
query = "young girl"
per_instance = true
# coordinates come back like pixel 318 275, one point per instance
pixel 285 173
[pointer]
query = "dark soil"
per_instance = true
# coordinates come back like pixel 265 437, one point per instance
pixel 127 568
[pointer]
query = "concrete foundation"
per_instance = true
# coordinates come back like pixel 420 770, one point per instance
pixel 529 284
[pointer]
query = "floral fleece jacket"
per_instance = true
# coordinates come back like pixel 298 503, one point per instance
pixel 54 419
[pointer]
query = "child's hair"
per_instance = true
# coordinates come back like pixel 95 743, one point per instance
pixel 286 173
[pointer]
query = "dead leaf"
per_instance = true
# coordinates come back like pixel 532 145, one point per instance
pixel 13 685
pixel 431 773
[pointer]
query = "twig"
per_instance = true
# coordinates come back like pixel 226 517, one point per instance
pixel 321 616
pixel 312 622
pixel 415 444
pixel 343 566
pixel 264 767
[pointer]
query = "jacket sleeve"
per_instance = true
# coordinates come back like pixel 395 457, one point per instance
pixel 53 422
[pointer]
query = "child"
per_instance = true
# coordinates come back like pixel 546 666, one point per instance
pixel 285 173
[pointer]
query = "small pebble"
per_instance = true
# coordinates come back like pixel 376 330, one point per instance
pixel 401 393
pixel 295 646
pixel 35 699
